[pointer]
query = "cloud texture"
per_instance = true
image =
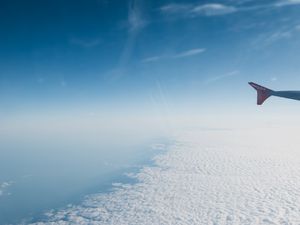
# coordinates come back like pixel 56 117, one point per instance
pixel 207 177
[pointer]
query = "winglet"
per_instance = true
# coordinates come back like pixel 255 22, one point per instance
pixel 262 93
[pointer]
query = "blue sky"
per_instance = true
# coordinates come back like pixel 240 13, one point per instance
pixel 86 85
pixel 134 57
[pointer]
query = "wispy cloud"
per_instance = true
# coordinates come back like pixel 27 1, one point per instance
pixel 287 2
pixel 278 35
pixel 281 34
pixel 3 187
pixel 176 8
pixel 218 9
pixel 221 77
pixel 152 59
pixel 135 23
pixel 214 9
pixel 191 52
pixel 184 54
pixel 275 4
pixel 135 16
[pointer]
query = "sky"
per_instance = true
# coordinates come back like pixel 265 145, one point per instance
pixel 78 61
pixel 85 86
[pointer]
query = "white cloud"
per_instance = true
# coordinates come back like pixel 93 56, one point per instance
pixel 187 53
pixel 279 34
pixel 218 9
pixel 212 9
pixel 176 8
pixel 3 188
pixel 191 52
pixel 152 59
pixel 273 37
pixel 135 16
pixel 207 177
pixel 287 2
pixel 135 23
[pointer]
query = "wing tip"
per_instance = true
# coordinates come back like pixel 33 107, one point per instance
pixel 262 92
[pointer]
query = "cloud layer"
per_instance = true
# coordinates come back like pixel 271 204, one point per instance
pixel 207 177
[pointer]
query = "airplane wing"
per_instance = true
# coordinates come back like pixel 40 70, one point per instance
pixel 262 92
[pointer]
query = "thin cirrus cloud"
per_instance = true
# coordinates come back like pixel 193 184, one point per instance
pixel 272 37
pixel 190 52
pixel 212 9
pixel 152 59
pixel 135 23
pixel 184 54
pixel 135 16
pixel 176 8
pixel 218 9
pixel 287 2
